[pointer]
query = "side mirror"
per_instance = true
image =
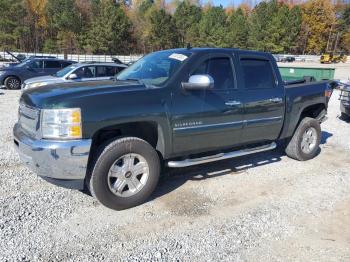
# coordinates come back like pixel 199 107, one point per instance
pixel 199 82
pixel 72 77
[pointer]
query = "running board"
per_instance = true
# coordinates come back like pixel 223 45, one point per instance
pixel 221 156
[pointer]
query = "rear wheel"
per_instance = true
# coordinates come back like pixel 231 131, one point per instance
pixel 12 82
pixel 125 173
pixel 305 141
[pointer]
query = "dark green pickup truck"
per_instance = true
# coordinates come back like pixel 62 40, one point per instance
pixel 178 107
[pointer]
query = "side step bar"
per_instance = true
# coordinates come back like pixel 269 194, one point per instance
pixel 221 156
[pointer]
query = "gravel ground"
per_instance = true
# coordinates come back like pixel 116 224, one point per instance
pixel 264 207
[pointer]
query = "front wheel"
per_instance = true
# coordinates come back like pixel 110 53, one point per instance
pixel 12 83
pixel 305 141
pixel 125 173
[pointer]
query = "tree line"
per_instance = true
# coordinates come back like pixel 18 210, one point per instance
pixel 141 26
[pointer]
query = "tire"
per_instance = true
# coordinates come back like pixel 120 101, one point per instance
pixel 12 83
pixel 304 146
pixel 344 116
pixel 115 181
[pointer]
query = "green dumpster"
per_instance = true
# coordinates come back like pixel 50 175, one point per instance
pixel 295 73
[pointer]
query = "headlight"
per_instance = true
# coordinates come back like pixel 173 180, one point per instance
pixel 2 72
pixel 61 123
pixel 35 85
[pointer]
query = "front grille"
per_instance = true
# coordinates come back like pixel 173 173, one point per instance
pixel 29 118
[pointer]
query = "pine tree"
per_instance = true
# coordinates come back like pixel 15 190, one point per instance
pixel 186 17
pixel 212 27
pixel 162 32
pixel 13 28
pixel 237 29
pixel 110 30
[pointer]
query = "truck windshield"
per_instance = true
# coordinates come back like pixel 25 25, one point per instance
pixel 155 68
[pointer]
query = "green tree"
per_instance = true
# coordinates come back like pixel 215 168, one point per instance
pixel 237 34
pixel 110 30
pixel 212 27
pixel 186 17
pixel 260 20
pixel 64 23
pixel 344 28
pixel 162 32
pixel 12 24
pixel 274 27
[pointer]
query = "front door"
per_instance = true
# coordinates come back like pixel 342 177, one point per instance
pixel 210 119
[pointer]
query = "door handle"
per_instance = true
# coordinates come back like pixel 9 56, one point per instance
pixel 275 100
pixel 232 103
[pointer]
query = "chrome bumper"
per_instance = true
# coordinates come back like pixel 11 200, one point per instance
pixel 54 160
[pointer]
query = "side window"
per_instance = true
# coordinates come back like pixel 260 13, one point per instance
pixel 85 72
pixel 220 69
pixel 119 68
pixel 101 71
pixel 111 70
pixel 65 64
pixel 37 64
pixel 52 64
pixel 257 74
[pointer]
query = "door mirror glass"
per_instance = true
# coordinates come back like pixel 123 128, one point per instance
pixel 198 82
pixel 73 76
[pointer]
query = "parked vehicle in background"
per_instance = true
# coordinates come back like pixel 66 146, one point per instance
pixel 25 59
pixel 79 72
pixel 287 59
pixel 180 107
pixel 12 77
pixel 277 58
pixel 345 101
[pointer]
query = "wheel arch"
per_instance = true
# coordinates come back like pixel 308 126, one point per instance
pixel 11 75
pixel 316 111
pixel 150 131
pixel 312 111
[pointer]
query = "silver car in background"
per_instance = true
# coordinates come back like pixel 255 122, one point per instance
pixel 77 72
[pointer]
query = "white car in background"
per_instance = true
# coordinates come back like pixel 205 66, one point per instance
pixel 77 72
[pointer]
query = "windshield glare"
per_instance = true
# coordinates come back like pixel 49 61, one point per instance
pixel 64 71
pixel 155 68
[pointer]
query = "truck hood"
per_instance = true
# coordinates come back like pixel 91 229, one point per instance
pixel 59 95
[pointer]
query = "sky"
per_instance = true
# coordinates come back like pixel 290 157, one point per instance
pixel 224 3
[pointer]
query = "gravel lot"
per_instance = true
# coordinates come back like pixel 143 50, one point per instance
pixel 265 207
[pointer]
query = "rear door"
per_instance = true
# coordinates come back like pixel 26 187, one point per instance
pixel 263 99
pixel 86 73
pixel 106 72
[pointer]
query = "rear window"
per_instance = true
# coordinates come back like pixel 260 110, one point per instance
pixel 52 64
pixel 65 64
pixel 257 74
